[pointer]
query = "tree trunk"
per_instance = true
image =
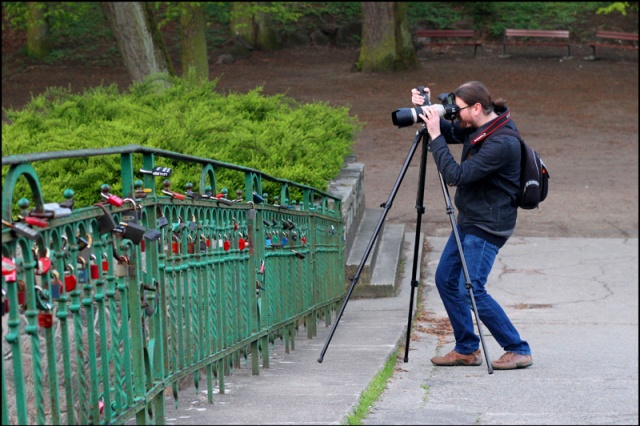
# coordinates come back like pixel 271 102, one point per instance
pixel 265 34
pixel 193 43
pixel 137 37
pixel 242 22
pixel 386 42
pixel 37 30
pixel 253 25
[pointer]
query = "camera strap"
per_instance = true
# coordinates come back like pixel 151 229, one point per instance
pixel 498 123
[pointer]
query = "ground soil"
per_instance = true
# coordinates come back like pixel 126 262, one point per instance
pixel 582 116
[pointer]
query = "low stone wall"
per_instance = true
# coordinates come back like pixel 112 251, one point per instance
pixel 349 185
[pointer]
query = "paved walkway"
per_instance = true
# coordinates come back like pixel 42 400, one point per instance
pixel 574 300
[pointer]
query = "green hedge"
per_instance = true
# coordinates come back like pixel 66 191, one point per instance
pixel 304 143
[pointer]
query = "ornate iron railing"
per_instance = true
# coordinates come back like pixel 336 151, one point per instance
pixel 98 321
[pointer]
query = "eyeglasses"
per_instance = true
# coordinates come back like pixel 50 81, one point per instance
pixel 464 108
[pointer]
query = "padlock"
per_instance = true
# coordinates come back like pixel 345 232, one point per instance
pixel 122 267
pixel 235 224
pixel 106 223
pixel 57 210
pixel 44 263
pixel 134 215
pixel 139 191
pixel 193 225
pixel 105 264
pixel 94 271
pixel 133 231
pixel 45 319
pixel 226 245
pixel 114 200
pixel 189 191
pixel 304 239
pixel 175 244
pixel 82 274
pixel 191 246
pixel 83 243
pixel 55 285
pixel 257 198
pixel 152 235
pixel 179 226
pixel 241 243
pixel 161 220
pixel 158 171
pixel 167 191
pixel 70 280
pixel 34 221
pixel 21 229
pixel 298 254
pixel 42 300
pixel 22 293
pixel 204 243
pixel 8 269
pixel 285 240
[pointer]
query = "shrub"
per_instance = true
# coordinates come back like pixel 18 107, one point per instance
pixel 304 143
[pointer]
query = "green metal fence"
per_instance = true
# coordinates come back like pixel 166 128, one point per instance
pixel 122 314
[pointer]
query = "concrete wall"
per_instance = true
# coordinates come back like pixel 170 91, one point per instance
pixel 349 185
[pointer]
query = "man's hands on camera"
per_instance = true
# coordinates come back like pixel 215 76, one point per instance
pixel 430 115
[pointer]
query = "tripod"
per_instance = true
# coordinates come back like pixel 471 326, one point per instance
pixel 420 136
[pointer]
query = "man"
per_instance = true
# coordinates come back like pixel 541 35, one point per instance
pixel 487 181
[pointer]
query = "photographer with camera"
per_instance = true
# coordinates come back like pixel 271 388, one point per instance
pixel 487 181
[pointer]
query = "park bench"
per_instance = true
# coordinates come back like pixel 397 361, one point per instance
pixel 621 40
pixel 453 38
pixel 528 35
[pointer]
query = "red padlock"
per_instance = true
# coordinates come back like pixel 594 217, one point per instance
pixel 304 240
pixel 93 268
pixel 105 264
pixel 45 319
pixel 70 280
pixel 226 245
pixel 8 269
pixel 114 200
pixel 242 243
pixel 175 247
pixel 36 221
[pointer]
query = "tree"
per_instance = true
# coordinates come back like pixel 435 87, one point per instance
pixel 386 42
pixel 252 22
pixel 37 30
pixel 193 43
pixel 138 38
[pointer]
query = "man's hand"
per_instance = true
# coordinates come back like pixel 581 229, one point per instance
pixel 432 120
pixel 417 99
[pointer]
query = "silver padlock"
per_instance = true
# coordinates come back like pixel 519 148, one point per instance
pixel 122 267
pixel 57 210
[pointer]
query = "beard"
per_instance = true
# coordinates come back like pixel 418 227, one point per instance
pixel 465 124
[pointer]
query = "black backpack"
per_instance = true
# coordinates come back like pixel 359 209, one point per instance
pixel 534 176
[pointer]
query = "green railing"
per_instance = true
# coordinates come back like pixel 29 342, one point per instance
pixel 188 287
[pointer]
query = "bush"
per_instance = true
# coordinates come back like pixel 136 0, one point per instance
pixel 304 143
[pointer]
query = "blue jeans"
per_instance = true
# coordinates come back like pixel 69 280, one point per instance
pixel 450 281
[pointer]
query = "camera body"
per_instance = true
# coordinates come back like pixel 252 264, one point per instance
pixel 404 117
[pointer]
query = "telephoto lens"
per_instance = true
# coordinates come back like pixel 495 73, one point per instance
pixel 404 117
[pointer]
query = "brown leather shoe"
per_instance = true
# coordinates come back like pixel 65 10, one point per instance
pixel 454 358
pixel 511 361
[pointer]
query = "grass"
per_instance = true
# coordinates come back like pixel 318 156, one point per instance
pixel 374 390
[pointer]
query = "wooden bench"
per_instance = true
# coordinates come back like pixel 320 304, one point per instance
pixel 456 38
pixel 617 36
pixel 509 34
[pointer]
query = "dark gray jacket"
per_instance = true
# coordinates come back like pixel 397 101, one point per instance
pixel 487 178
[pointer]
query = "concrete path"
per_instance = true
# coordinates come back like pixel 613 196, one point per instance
pixel 574 300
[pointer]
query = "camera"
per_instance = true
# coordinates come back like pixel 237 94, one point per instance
pixel 404 117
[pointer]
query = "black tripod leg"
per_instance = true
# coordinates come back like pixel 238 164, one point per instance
pixel 447 199
pixel 416 246
pixel 386 206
